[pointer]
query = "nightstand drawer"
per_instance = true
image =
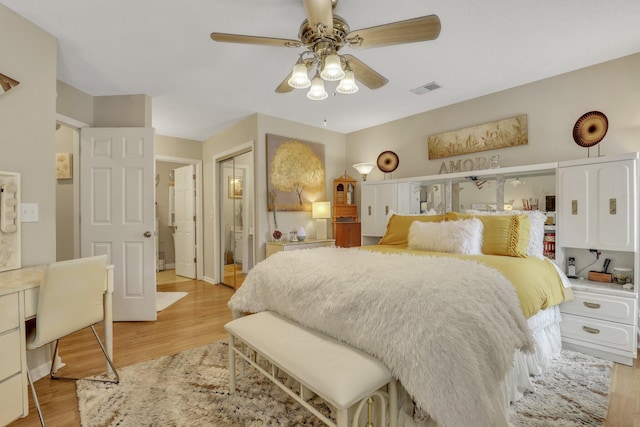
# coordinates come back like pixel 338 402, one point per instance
pixel 608 334
pixel 604 307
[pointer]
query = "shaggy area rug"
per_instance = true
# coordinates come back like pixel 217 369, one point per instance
pixel 575 392
pixel 165 299
pixel 191 389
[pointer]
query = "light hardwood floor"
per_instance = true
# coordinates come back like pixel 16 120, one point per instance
pixel 198 319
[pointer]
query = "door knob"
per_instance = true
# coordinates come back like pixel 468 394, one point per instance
pixel 147 234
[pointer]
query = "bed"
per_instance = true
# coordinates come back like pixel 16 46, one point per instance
pixel 461 313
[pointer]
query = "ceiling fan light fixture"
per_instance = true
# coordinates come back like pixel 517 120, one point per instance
pixel 348 84
pixel 317 91
pixel 332 70
pixel 299 77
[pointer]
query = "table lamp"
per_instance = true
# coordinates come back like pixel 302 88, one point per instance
pixel 320 211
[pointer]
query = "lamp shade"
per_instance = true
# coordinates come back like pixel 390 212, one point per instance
pixel 299 77
pixel 332 70
pixel 347 84
pixel 364 169
pixel 321 210
pixel 317 92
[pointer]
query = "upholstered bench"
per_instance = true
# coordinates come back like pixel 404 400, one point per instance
pixel 345 378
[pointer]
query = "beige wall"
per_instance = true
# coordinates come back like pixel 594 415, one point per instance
pixel 74 103
pixel 28 125
pixel 178 147
pixel 122 111
pixel 553 105
pixel 66 140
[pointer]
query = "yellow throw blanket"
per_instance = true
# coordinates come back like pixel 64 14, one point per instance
pixel 536 281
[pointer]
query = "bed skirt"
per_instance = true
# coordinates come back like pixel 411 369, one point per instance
pixel 545 327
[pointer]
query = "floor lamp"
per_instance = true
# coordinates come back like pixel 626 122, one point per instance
pixel 321 211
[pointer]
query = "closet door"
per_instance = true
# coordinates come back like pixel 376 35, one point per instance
pixel 574 199
pixel 616 199
pixel 597 206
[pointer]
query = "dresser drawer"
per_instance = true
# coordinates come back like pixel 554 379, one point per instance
pixel 8 312
pixel 604 307
pixel 609 334
pixel 9 354
pixel 11 399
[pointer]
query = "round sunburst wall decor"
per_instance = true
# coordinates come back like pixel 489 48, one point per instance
pixel 388 161
pixel 590 128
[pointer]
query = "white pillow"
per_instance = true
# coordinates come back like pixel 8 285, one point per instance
pixel 458 237
pixel 536 230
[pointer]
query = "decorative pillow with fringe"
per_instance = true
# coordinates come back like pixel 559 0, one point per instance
pixel 458 237
pixel 536 231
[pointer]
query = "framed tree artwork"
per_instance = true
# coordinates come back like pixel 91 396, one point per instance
pixel 295 173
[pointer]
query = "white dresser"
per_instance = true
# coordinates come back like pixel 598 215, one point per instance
pixel 13 385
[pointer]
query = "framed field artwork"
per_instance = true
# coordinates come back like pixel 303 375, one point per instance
pixel 295 173
pixel 235 188
pixel 504 133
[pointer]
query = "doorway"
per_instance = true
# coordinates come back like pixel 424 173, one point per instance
pixel 167 251
pixel 236 219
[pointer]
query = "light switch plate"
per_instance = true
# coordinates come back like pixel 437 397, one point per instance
pixel 29 212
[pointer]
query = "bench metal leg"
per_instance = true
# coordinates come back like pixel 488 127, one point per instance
pixel 342 417
pixel 393 403
pixel 232 364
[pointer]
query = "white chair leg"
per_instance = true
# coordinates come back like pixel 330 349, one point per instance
pixel 104 352
pixel 35 397
pixel 232 364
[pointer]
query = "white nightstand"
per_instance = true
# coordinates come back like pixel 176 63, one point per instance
pixel 273 247
pixel 601 320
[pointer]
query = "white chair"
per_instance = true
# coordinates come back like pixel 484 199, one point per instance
pixel 70 299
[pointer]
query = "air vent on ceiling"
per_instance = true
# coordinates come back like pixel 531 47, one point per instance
pixel 426 88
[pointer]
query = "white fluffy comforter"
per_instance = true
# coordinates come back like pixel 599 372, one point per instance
pixel 446 328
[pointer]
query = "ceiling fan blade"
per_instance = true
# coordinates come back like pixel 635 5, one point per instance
pixel 365 74
pixel 264 41
pixel 284 86
pixel 320 12
pixel 409 31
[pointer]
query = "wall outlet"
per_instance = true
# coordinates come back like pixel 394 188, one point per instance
pixel 29 212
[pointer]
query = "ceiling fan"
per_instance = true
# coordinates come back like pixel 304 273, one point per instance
pixel 323 34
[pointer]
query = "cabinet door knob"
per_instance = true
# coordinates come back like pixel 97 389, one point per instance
pixel 591 330
pixel 386 210
pixel 612 206
pixel 574 207
pixel 369 210
pixel 591 305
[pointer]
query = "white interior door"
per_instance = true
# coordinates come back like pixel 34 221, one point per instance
pixel 185 236
pixel 117 213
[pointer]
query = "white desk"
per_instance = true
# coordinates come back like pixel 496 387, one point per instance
pixel 18 302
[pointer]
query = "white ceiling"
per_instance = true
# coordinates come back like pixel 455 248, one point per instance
pixel 162 48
